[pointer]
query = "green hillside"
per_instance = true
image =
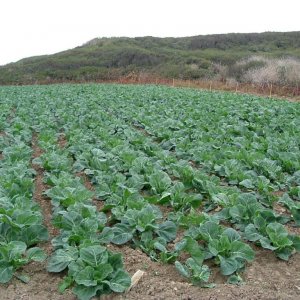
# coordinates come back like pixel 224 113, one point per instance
pixel 194 57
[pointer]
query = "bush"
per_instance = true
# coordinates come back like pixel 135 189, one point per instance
pixel 282 71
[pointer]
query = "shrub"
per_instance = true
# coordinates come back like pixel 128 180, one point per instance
pixel 282 71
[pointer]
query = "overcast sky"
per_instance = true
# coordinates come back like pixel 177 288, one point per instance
pixel 36 27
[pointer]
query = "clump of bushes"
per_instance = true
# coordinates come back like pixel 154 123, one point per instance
pixel 261 71
pixel 281 71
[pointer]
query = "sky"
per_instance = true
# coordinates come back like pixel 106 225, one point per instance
pixel 37 27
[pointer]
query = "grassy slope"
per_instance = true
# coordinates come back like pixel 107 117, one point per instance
pixel 188 57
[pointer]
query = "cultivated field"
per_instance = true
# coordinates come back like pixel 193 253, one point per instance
pixel 199 190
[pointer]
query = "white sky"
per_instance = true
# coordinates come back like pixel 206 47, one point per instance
pixel 36 27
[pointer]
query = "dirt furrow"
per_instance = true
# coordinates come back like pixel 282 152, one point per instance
pixel 2 133
pixel 267 277
pixel 62 143
pixel 39 197
pixel 42 284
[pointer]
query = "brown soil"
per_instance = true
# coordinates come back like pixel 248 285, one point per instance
pixel 42 284
pixel 62 142
pixel 292 229
pixel 280 209
pixel 40 188
pixel 143 130
pixel 87 183
pixel 278 193
pixel 2 133
pixel 193 163
pixel 266 278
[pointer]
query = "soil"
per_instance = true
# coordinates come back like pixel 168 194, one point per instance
pixel 265 278
pixel 88 185
pixel 2 133
pixel 40 188
pixel 62 142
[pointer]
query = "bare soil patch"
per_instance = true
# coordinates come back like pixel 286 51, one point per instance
pixel 266 278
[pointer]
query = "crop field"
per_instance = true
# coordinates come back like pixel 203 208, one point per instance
pixel 198 190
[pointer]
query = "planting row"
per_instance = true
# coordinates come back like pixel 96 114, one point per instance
pixel 21 220
pixel 155 193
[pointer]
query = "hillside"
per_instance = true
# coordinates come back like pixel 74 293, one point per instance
pixel 197 57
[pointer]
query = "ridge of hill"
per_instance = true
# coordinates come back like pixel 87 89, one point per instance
pixel 196 57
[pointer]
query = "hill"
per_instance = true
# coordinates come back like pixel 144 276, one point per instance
pixel 198 57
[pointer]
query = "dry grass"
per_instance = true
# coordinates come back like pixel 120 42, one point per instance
pixel 281 71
